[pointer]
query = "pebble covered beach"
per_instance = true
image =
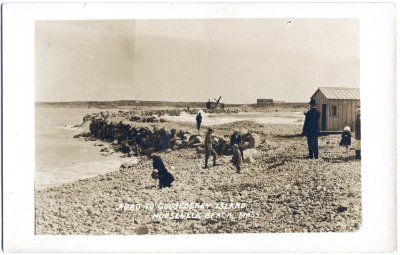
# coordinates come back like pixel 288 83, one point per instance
pixel 279 190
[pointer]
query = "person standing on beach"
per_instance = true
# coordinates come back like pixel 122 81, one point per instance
pixel 199 119
pixel 236 158
pixel 345 141
pixel 209 148
pixel 357 134
pixel 311 129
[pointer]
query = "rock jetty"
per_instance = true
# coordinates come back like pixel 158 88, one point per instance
pixel 138 141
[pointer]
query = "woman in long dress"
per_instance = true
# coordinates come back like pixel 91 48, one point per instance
pixel 164 177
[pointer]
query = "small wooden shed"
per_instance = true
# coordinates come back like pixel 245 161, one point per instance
pixel 337 107
pixel 264 101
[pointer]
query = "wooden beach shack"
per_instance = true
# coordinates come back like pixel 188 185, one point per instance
pixel 265 101
pixel 337 107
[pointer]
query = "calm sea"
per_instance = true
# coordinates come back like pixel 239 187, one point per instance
pixel 60 158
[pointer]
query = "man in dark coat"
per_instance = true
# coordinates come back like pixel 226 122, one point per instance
pixel 311 129
pixel 209 148
pixel 236 139
pixel 199 119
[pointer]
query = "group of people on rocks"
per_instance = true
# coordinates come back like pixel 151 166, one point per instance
pixel 234 146
pixel 237 143
pixel 165 178
pixel 311 131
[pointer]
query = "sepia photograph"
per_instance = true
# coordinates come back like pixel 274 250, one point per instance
pixel 197 126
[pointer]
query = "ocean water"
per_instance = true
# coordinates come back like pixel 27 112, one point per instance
pixel 61 159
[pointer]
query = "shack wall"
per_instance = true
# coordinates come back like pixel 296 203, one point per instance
pixel 345 112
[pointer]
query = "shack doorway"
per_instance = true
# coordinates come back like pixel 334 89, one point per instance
pixel 323 122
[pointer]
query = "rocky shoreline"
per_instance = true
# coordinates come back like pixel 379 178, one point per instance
pixel 280 189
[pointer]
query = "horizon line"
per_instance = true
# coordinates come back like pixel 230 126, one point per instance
pixel 134 100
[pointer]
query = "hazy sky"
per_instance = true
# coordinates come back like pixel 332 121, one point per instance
pixel 194 60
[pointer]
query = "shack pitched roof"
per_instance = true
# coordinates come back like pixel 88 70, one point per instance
pixel 339 93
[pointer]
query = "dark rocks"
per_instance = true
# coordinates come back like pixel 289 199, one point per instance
pixel 84 134
pixel 125 148
pixel 137 141
pixel 342 208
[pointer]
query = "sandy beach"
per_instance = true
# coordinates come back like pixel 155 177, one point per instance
pixel 281 191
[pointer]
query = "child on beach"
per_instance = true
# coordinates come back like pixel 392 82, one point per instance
pixel 346 138
pixel 236 158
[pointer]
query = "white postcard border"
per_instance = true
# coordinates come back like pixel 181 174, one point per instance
pixel 378 98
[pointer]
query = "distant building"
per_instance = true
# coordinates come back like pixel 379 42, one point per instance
pixel 264 101
pixel 337 107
